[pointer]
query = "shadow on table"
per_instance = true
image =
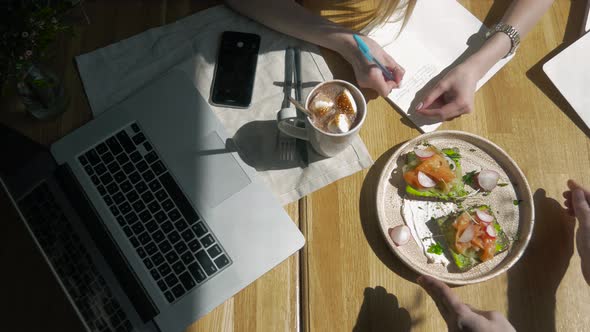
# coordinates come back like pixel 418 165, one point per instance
pixel 380 311
pixel 534 280
pixel 540 79
pixel 370 222
pixel 256 143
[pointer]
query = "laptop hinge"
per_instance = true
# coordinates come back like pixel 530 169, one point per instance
pixel 127 278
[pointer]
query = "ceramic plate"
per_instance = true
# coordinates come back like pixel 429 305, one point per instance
pixel 477 153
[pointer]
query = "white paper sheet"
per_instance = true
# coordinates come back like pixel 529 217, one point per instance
pixel 428 45
pixel 570 73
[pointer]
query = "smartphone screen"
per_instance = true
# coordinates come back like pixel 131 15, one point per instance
pixel 235 69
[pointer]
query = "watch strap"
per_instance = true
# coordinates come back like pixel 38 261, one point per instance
pixel 510 31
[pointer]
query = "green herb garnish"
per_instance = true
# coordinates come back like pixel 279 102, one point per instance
pixel 435 249
pixel 517 201
pixel 469 177
pixel 412 160
pixel 425 143
pixel 516 237
pixel 453 154
pixel 502 184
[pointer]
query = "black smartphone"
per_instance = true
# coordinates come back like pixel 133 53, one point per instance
pixel 235 69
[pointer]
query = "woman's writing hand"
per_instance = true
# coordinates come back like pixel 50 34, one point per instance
pixel 368 74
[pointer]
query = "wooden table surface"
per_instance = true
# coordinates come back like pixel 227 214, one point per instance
pixel 345 278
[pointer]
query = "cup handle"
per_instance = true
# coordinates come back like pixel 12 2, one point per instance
pixel 286 122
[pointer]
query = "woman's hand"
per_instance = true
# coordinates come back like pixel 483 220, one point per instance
pixel 368 75
pixel 452 96
pixel 458 315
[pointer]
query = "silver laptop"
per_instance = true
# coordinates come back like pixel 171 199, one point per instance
pixel 145 215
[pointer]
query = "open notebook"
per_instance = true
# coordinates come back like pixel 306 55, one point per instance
pixel 438 36
pixel 570 73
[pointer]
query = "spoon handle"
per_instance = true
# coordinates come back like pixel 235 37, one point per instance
pixel 300 107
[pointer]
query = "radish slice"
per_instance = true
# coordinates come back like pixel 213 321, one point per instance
pixel 400 235
pixel 425 181
pixel 467 234
pixel 491 231
pixel 488 179
pixel 423 154
pixel 484 216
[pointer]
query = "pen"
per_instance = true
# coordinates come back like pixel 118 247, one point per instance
pixel 364 48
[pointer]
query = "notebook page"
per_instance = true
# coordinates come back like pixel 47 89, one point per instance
pixel 437 37
pixel 421 67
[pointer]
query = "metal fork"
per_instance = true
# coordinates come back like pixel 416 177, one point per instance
pixel 287 145
pixel 301 144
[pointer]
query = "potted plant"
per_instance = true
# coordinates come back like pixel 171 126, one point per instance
pixel 28 28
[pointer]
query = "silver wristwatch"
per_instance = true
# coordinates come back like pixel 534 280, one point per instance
pixel 510 31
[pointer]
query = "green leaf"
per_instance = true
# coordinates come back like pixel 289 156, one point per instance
pixel 435 249
pixel 425 143
pixel 502 184
pixel 452 153
pixel 469 177
pixel 517 201
pixel 516 237
pixel 412 160
pixel 41 83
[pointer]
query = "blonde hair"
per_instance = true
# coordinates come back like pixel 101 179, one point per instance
pixel 355 15
pixel 394 9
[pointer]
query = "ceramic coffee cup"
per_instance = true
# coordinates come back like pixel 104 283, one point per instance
pixel 325 143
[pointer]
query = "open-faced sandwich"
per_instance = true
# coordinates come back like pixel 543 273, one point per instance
pixel 430 172
pixel 473 236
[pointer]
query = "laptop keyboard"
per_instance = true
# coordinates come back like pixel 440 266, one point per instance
pixel 174 242
pixel 89 291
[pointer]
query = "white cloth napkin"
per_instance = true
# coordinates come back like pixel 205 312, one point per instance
pixel 112 73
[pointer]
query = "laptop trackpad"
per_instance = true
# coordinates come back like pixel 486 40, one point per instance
pixel 218 174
